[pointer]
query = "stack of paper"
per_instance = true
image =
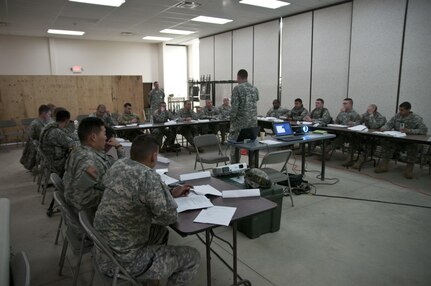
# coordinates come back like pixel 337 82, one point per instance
pixel 241 193
pixel 206 190
pixel 172 122
pixel 270 142
pixel 192 202
pixel 132 124
pixel 145 125
pixel 194 176
pixel 391 133
pixel 119 126
pixel 216 215
pixel 362 128
pixel 337 125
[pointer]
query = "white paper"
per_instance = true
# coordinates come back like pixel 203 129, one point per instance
pixel 162 159
pixel 167 180
pixel 337 125
pixel 161 171
pixel 216 215
pixel 119 126
pixel 203 120
pixel 270 142
pixel 192 202
pixel 206 190
pixel 241 193
pixel 145 125
pixel 132 124
pixel 172 122
pixel 391 133
pixel 194 176
pixel 120 140
pixel 359 128
pixel 305 122
pixel 239 179
pixel 127 144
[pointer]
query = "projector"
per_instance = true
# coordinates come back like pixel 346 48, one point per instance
pixel 229 169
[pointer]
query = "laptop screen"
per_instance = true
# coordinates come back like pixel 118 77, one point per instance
pixel 282 129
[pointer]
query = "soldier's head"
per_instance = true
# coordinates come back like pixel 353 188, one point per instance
pixel 188 105
pixel 347 104
pixel 144 150
pixel 56 110
pixel 226 101
pixel 319 103
pixel 405 108
pixel 162 106
pixel 62 117
pixel 242 76
pixel 276 104
pixel 101 110
pixel 371 108
pixel 52 107
pixel 298 103
pixel 127 108
pixel 92 133
pixel 156 85
pixel 44 112
pixel 208 104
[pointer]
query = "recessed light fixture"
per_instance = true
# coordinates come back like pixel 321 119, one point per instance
pixel 212 20
pixel 176 32
pixel 65 32
pixel 272 4
pixel 113 3
pixel 160 39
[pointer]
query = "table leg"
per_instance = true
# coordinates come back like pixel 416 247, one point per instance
pixel 234 253
pixel 303 159
pixel 322 172
pixel 208 254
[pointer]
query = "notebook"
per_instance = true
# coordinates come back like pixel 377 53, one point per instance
pixel 245 134
pixel 283 132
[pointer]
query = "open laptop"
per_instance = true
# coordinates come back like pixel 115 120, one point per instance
pixel 283 132
pixel 245 134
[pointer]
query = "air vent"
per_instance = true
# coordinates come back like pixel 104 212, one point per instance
pixel 187 4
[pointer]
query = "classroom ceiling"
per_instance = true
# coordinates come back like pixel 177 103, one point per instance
pixel 136 18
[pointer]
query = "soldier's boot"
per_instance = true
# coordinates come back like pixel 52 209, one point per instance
pixel 358 163
pixel 408 171
pixel 349 162
pixel 382 167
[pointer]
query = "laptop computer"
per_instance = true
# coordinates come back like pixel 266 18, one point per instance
pixel 284 132
pixel 246 134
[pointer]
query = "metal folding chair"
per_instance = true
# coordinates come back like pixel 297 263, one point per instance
pixel 208 150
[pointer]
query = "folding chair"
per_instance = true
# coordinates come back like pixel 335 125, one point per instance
pixel 210 145
pixel 20 269
pixel 59 187
pixel 45 169
pixel 102 245
pixel 6 132
pixel 77 241
pixel 80 117
pixel 275 176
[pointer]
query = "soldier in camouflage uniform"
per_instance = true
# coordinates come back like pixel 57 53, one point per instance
pixel 224 114
pixel 372 119
pixel 87 164
pixel 244 109
pixel 29 154
pixel 277 111
pixel 209 112
pixel 55 143
pixel 71 126
pixel 157 96
pixel 298 112
pixel 104 115
pixel 320 115
pixel 135 209
pixel 186 114
pixel 163 115
pixel 128 117
pixel 412 125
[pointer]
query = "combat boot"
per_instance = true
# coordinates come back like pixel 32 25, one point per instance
pixel 408 172
pixel 382 167
pixel 359 163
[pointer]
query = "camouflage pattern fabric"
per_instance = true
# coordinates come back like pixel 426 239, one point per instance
pixel 373 121
pixel 106 118
pixel 35 128
pixel 298 114
pixel 224 112
pixel 29 153
pixel 321 116
pixel 71 131
pixel 127 118
pixel 277 112
pixel 210 113
pixel 344 117
pixel 156 97
pixel 169 132
pixel 257 178
pixel 135 207
pixel 189 132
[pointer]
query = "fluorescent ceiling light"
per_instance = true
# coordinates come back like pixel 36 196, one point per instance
pixel 212 20
pixel 272 4
pixel 65 32
pixel 176 32
pixel 160 39
pixel 114 3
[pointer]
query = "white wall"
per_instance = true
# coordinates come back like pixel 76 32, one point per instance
pixel 223 65
pixel 242 52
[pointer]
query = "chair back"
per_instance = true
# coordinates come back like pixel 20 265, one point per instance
pixel 26 121
pixel 57 182
pixel 102 245
pixel 69 216
pixel 7 123
pixel 277 157
pixel 207 140
pixel 20 269
pixel 80 117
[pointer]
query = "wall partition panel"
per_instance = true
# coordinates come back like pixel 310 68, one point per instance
pixel 296 59
pixel 242 52
pixel 223 65
pixel 206 56
pixel 331 45
pixel 377 33
pixel 265 65
pixel 416 69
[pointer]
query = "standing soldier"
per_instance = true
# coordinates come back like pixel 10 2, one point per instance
pixel 156 95
pixel 407 122
pixel 244 108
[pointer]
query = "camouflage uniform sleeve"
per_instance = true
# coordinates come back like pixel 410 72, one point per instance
pixel 326 117
pixel 157 117
pixel 109 121
pixel 419 128
pixel 157 196
pixel 357 119
pixel 390 124
pixel 234 103
pixel 338 119
pixel 268 114
pixel 180 115
pixel 303 114
pixel 121 119
pixel 60 138
pixel 33 131
pixel 121 153
pixel 376 121
pixel 194 115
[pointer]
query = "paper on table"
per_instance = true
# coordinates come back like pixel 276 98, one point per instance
pixel 203 120
pixel 119 126
pixel 270 142
pixel 239 179
pixel 167 180
pixel 305 123
pixel 145 125
pixel 126 144
pixel 391 133
pixel 161 171
pixel 216 215
pixel 337 125
pixel 206 190
pixel 192 202
pixel 193 176
pixel 241 193
pixel 172 122
pixel 162 159
pixel 358 128
pixel 132 124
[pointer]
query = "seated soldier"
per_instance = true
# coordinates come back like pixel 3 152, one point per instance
pixel 87 164
pixel 320 115
pixel 70 128
pixel 224 114
pixel 298 112
pixel 55 143
pixel 407 122
pixel 135 209
pixel 104 115
pixel 277 111
pixel 186 114
pixel 128 117
pixel 162 115
pixel 209 112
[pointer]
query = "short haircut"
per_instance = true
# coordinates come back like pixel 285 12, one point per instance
pixel 62 115
pixel 349 99
pixel 187 101
pixel 100 106
pixel 156 82
pixel 298 100
pixel 56 110
pixel 44 109
pixel 242 73
pixel 321 100
pixel 89 125
pixel 276 101
pixel 163 102
pixel 127 104
pixel 142 147
pixel 374 106
pixel 406 105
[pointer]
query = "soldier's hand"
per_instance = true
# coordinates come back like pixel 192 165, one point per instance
pixel 113 142
pixel 306 118
pixel 92 172
pixel 134 120
pixel 181 191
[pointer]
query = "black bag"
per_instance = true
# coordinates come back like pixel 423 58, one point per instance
pixel 295 180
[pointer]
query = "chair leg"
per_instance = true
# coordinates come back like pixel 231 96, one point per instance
pixel 78 264
pixel 44 188
pixel 58 230
pixel 202 166
pixel 63 256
